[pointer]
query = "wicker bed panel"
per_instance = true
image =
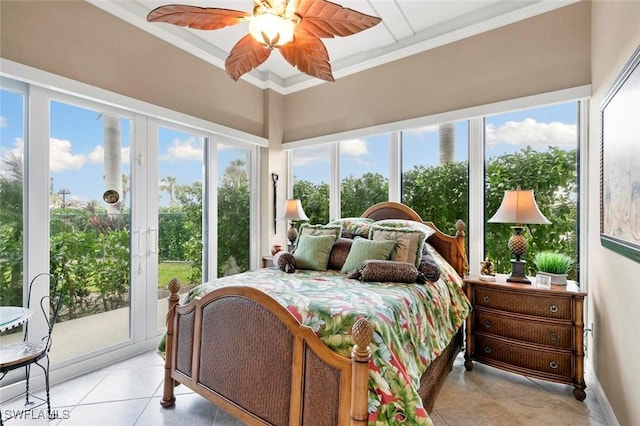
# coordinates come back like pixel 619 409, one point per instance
pixel 265 388
pixel 185 343
pixel 436 374
pixel 321 387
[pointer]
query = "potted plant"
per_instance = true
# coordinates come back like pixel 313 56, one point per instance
pixel 556 265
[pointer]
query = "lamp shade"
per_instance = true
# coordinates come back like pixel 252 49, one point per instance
pixel 519 207
pixel 293 211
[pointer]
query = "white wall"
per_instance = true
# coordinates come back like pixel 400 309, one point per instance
pixel 613 280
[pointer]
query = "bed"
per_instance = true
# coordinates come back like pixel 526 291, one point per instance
pixel 337 369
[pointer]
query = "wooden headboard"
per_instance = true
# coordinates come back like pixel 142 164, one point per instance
pixel 450 247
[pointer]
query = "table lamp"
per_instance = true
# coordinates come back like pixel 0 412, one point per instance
pixel 518 207
pixel 293 212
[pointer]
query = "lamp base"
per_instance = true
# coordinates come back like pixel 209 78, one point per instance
pixel 517 272
pixel 292 235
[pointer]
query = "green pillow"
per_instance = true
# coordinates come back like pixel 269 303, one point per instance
pixel 363 249
pixel 409 242
pixel 313 251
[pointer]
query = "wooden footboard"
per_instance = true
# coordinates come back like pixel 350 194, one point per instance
pixel 258 363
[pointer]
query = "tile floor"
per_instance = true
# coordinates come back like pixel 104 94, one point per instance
pixel 129 393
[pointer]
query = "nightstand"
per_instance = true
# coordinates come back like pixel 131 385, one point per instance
pixel 527 330
pixel 267 261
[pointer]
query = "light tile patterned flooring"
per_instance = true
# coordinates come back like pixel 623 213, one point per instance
pixel 129 393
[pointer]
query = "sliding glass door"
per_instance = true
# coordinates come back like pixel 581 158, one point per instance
pixel 117 203
pixel 12 131
pixel 90 226
pixel 181 226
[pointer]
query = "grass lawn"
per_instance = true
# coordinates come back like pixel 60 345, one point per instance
pixel 169 270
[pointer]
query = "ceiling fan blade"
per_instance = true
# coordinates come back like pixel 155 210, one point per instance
pixel 245 55
pixel 309 55
pixel 200 18
pixel 325 19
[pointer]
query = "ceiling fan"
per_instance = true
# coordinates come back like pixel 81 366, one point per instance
pixel 295 27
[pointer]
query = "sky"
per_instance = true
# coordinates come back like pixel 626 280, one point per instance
pixel 554 125
pixel 77 146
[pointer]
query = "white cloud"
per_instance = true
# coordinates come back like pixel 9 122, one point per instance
pixel 97 155
pixel 422 130
pixel 3 121
pixel 184 150
pixel 354 147
pixel 531 132
pixel 312 155
pixel 61 158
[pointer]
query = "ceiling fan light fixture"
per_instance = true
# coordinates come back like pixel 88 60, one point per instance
pixel 294 27
pixel 271 29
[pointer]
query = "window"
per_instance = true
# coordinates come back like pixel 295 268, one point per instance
pixel 435 172
pixel 234 201
pixel 12 125
pixel 364 174
pixel 89 238
pixel 534 149
pixel 108 252
pixel 311 169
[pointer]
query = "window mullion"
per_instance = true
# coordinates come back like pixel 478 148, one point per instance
pixel 475 227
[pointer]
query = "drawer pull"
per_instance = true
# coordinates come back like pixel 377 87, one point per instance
pixel 553 308
pixel 487 324
pixel 553 365
pixel 553 336
pixel 487 299
pixel 487 349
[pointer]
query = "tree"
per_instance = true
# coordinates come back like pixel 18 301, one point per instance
pixel 234 220
pixel 358 194
pixel 552 175
pixel 314 199
pixel 11 229
pixel 168 185
pixel 447 142
pixel 189 197
pixel 438 193
pixel 112 160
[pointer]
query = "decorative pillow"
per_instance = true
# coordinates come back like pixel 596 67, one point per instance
pixel 313 251
pixel 409 242
pixel 353 226
pixel 406 223
pixel 429 267
pixel 308 229
pixel 285 261
pixel 347 234
pixel 339 253
pixel 363 249
pixel 388 271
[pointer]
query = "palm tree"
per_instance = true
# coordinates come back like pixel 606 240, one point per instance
pixel 112 158
pixel 447 139
pixel 235 173
pixel 168 185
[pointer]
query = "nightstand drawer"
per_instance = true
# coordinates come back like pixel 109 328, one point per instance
pixel 541 332
pixel 529 304
pixel 556 363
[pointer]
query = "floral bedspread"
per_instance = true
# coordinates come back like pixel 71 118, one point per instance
pixel 412 324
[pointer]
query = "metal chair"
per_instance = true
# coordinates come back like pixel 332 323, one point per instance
pixel 30 352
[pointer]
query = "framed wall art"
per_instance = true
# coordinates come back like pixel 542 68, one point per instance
pixel 620 163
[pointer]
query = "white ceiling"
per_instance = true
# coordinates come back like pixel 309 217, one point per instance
pixel 408 27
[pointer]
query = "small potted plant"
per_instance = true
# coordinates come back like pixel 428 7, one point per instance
pixel 555 265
